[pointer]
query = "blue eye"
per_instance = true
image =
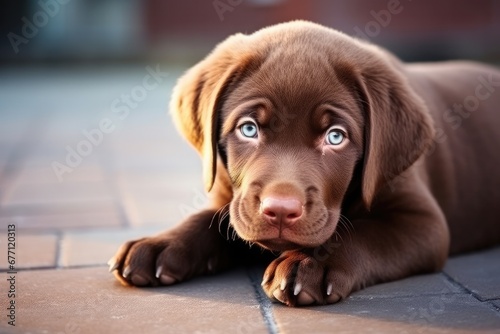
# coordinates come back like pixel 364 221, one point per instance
pixel 335 137
pixel 249 130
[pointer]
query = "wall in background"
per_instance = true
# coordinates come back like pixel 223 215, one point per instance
pixel 95 30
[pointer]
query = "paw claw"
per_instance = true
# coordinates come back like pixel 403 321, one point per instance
pixel 296 278
pixel 297 289
pixel 112 265
pixel 283 284
pixel 265 280
pixel 126 272
pixel 278 294
pixel 329 289
pixel 158 271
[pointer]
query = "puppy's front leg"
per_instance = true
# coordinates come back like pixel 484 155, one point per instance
pixel 403 241
pixel 195 247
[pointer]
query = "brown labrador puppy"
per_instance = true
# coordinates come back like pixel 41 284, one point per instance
pixel 356 167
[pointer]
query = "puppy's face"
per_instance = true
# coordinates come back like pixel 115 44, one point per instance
pixel 292 111
pixel 292 134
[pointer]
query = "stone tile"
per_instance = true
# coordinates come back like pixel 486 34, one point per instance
pixel 146 163
pixel 428 314
pixel 98 246
pixel 55 208
pixel 168 180
pixel 32 251
pixel 4 173
pixel 161 200
pixel 32 180
pixel 478 272
pixel 433 284
pixel 57 192
pixel 91 301
pixel 153 212
pixel 14 126
pixel 41 172
pixel 136 147
pixel 147 210
pixel 63 221
pixel 6 154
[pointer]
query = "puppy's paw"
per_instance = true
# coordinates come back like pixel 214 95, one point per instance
pixel 164 260
pixel 296 278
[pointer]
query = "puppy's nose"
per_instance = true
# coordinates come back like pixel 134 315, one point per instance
pixel 281 210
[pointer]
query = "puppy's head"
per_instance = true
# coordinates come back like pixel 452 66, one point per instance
pixel 298 115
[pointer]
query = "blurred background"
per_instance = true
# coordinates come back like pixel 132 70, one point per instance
pixel 85 140
pixel 123 30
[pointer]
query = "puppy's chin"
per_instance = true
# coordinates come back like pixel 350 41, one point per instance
pixel 278 244
pixel 286 240
pixel 281 245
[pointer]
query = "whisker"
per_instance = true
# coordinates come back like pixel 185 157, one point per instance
pixel 346 220
pixel 346 225
pixel 338 236
pixel 218 213
pixel 227 231
pixel 224 216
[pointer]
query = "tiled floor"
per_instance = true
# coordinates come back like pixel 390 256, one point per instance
pixel 139 179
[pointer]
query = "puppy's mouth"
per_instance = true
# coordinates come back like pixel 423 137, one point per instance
pixel 290 239
pixel 311 230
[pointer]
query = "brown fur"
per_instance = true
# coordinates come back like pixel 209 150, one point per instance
pixel 412 183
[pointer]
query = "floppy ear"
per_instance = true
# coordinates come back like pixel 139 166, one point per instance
pixel 198 97
pixel 398 127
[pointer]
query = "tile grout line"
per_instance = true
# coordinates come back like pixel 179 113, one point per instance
pixel 70 267
pixel 487 302
pixel 492 306
pixel 403 296
pixel 462 287
pixel 266 307
pixel 59 244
